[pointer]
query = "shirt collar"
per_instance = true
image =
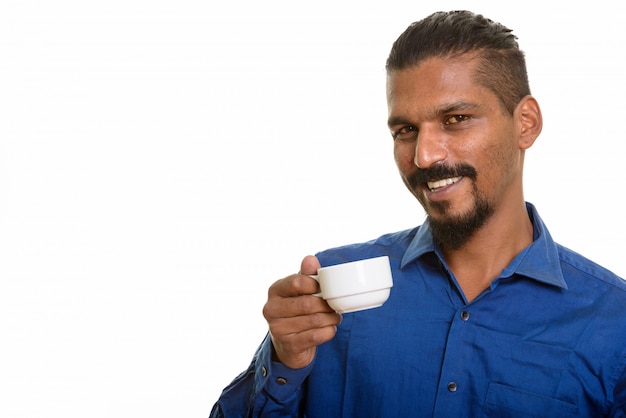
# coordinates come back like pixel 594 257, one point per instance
pixel 540 261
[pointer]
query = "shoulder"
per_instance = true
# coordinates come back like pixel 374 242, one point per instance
pixel 393 244
pixel 577 267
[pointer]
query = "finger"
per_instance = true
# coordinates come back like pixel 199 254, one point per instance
pixel 294 285
pixel 280 307
pixel 304 323
pixel 292 345
pixel 309 265
pixel 295 335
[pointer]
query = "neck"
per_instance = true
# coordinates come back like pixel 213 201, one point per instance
pixel 479 261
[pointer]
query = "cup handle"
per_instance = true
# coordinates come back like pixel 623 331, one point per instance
pixel 314 276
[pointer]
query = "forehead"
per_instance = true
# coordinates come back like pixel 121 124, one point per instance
pixel 435 83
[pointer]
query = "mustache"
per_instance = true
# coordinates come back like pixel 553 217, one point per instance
pixel 439 172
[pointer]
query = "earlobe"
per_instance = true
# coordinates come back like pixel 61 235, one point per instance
pixel 530 121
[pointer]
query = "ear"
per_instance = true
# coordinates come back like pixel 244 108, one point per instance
pixel 529 120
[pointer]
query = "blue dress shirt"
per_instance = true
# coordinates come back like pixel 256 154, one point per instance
pixel 546 339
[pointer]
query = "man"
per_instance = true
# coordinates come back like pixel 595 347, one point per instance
pixel 488 316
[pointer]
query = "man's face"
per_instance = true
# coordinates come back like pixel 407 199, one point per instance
pixel 454 144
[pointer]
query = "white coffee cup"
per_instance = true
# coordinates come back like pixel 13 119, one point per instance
pixel 356 285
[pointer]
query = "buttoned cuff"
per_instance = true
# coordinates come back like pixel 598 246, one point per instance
pixel 277 380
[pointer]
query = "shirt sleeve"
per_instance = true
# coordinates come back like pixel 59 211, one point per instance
pixel 266 389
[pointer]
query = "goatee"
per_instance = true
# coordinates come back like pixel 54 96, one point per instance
pixel 452 231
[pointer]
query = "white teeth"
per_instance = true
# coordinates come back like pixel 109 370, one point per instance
pixel 432 185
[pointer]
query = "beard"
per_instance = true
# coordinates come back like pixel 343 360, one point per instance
pixel 452 231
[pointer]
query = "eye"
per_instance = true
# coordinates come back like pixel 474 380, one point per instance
pixel 406 133
pixel 454 119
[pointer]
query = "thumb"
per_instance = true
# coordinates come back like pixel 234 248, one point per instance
pixel 309 265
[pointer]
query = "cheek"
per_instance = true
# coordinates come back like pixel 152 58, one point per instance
pixel 404 155
pixel 499 165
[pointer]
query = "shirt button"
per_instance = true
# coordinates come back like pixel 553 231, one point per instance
pixel 465 315
pixel 452 387
pixel 281 381
pixel 263 371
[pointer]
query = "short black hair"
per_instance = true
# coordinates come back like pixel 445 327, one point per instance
pixel 502 67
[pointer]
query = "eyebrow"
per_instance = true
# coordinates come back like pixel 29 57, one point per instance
pixel 444 109
pixel 397 120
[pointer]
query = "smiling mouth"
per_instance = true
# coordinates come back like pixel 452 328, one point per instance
pixel 435 186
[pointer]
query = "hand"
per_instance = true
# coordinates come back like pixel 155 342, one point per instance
pixel 299 321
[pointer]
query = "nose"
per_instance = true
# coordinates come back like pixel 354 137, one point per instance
pixel 430 147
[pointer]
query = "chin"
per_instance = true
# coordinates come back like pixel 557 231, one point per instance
pixel 452 231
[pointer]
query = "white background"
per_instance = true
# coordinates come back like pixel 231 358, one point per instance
pixel 163 162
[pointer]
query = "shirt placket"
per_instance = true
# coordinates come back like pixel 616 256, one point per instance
pixel 453 388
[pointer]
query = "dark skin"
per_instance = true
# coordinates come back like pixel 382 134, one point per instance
pixel 299 321
pixel 438 114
